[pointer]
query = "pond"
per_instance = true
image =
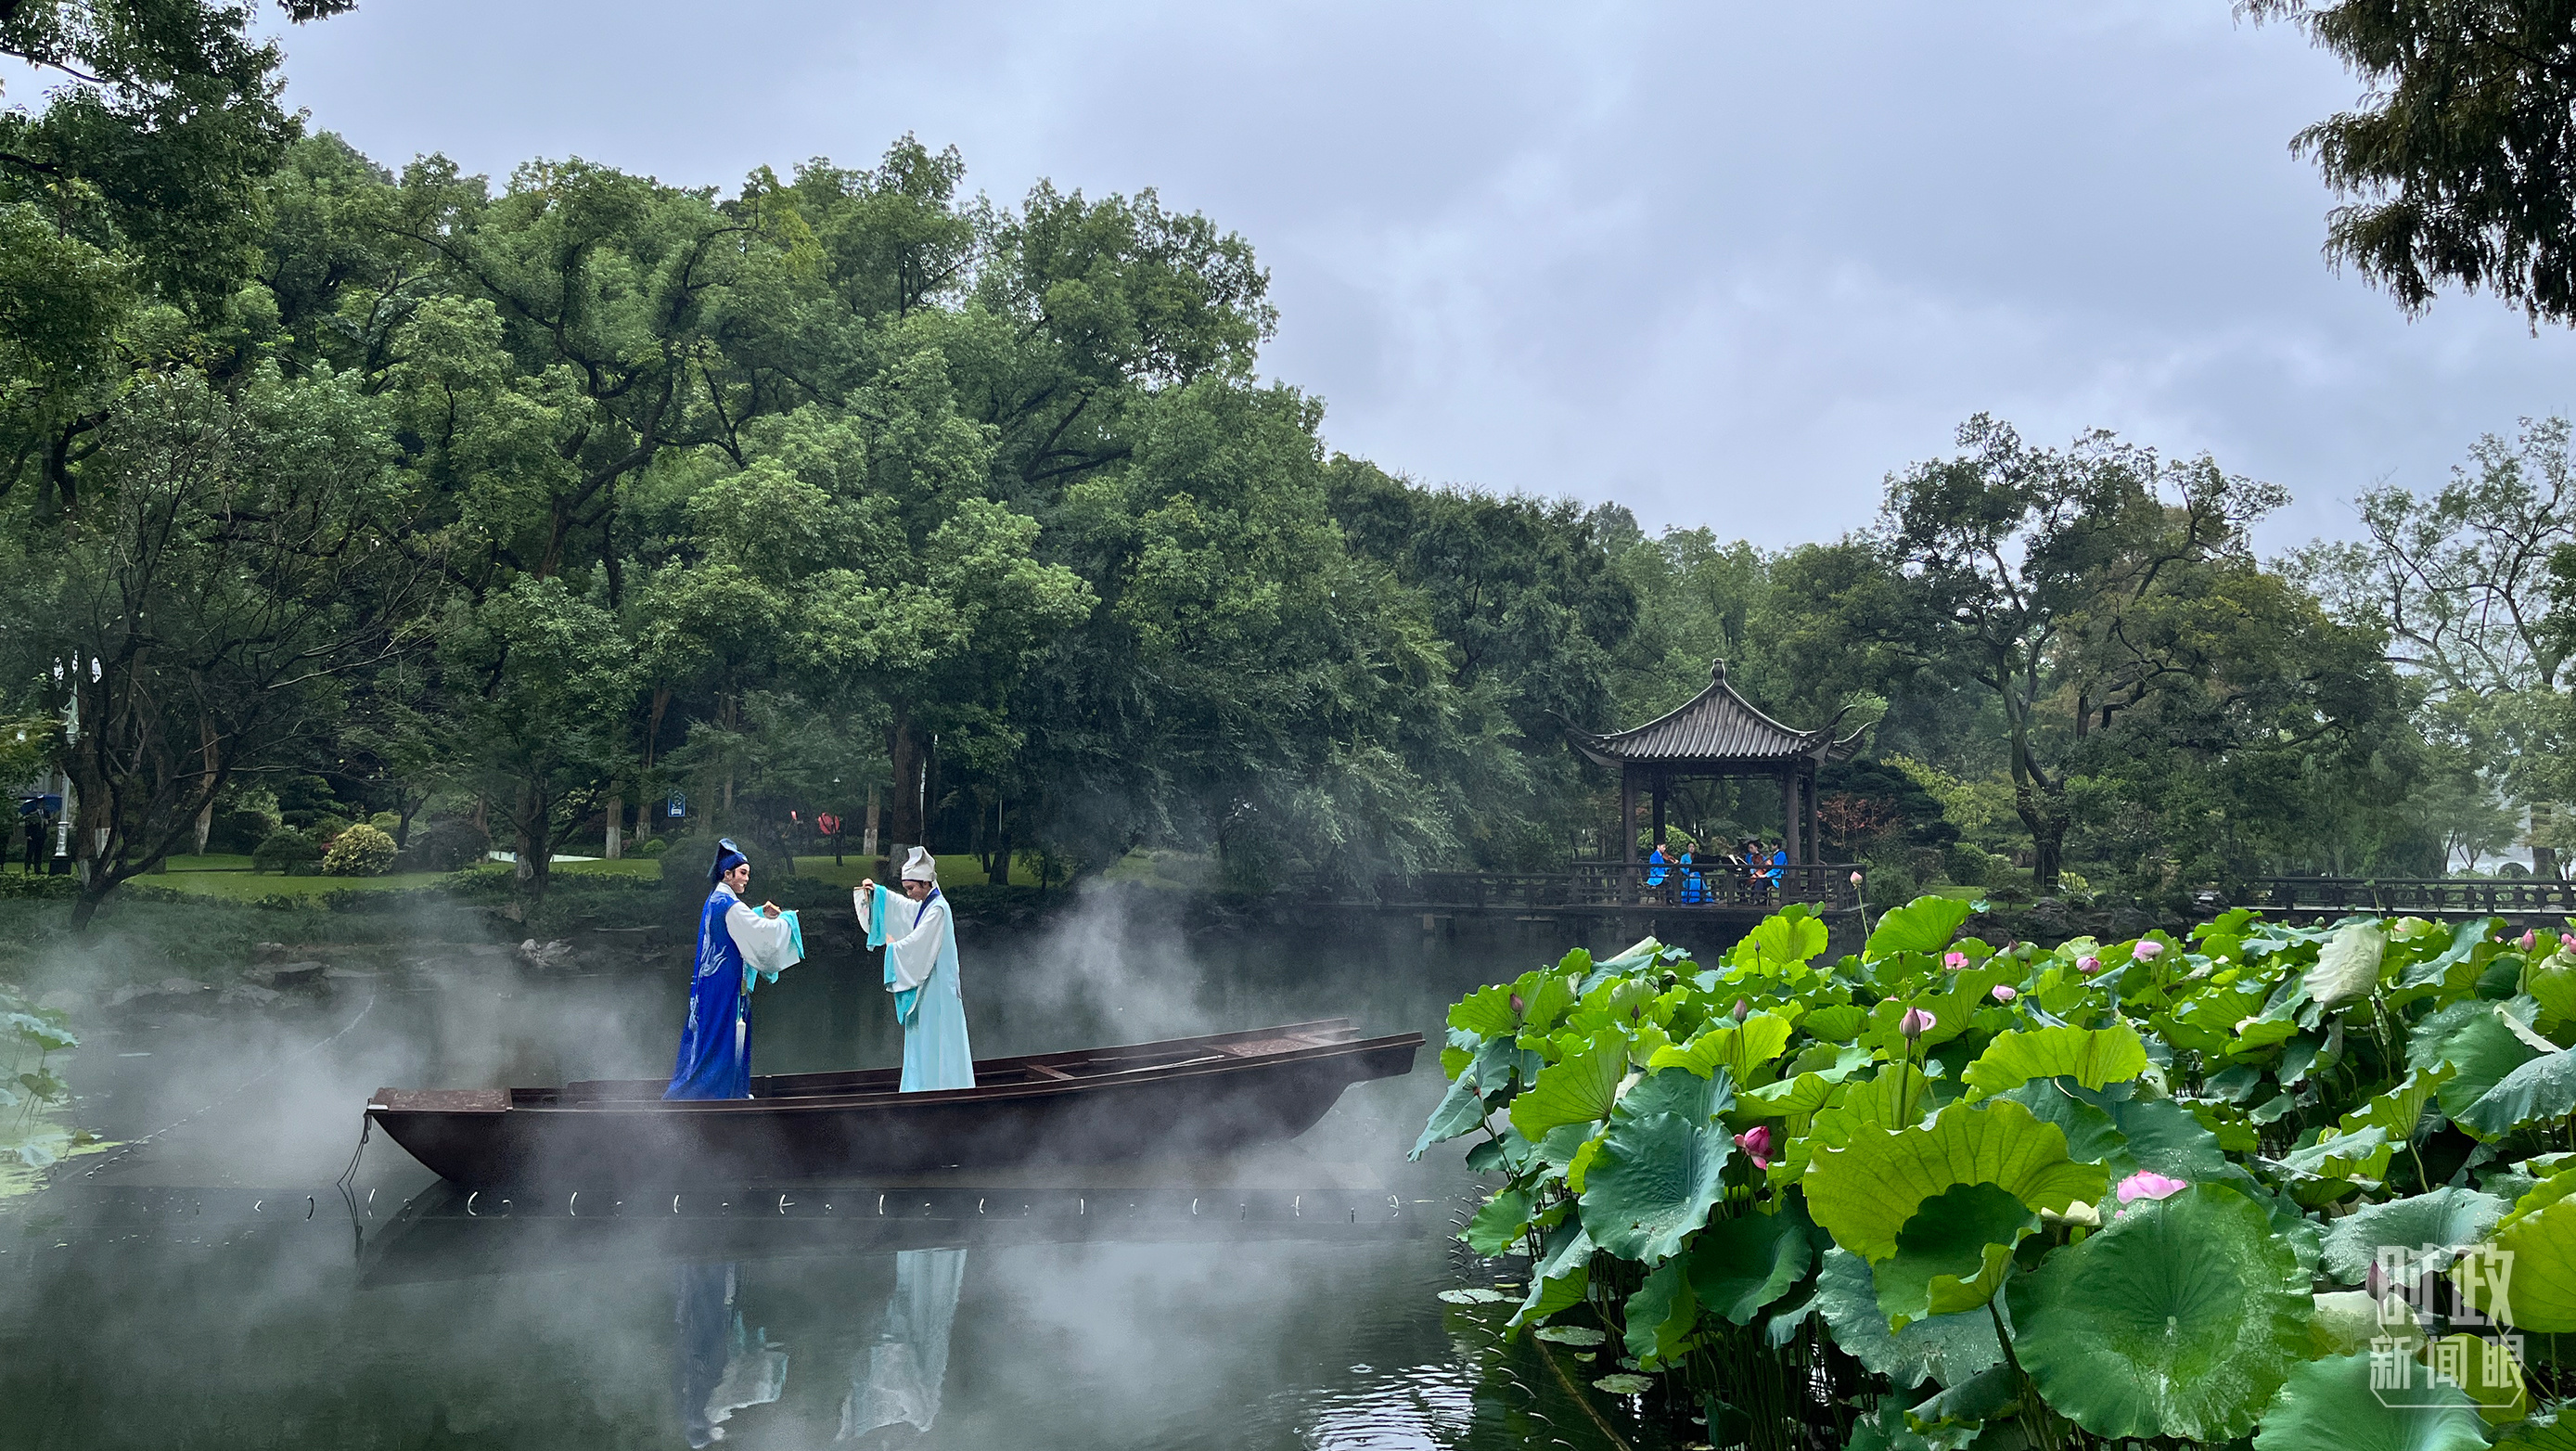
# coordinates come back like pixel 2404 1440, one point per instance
pixel 206 1283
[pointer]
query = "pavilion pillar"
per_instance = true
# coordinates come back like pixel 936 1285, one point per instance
pixel 1659 808
pixel 1789 814
pixel 1628 814
pixel 1815 837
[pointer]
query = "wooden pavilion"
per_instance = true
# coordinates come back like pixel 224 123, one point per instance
pixel 1719 735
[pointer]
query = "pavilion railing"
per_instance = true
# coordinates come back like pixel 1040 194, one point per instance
pixel 2422 897
pixel 1606 885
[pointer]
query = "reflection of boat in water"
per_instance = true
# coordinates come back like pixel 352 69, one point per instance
pixel 446 1233
pixel 897 1381
pixel 1211 1094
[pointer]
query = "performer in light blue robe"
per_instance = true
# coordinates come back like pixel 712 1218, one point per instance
pixel 920 938
pixel 737 946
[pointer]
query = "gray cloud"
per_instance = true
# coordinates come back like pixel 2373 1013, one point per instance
pixel 1728 264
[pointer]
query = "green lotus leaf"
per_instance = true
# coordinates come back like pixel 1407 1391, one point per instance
pixel 1559 1278
pixel 2092 1057
pixel 1695 1097
pixel 2474 1037
pixel 1945 1348
pixel 1486 1011
pixel 2348 964
pixel 2177 1319
pixel 1839 1023
pixel 1548 999
pixel 2551 982
pixel 1741 1264
pixel 2165 1136
pixel 2346 1321
pixel 1951 1255
pixel 2401 1109
pixel 2362 1154
pixel 2540 1433
pixel 1864 1193
pixel 2542 1090
pixel 1623 1384
pixel 1578 1089
pixel 1964 1408
pixel 2539 1281
pixel 1461 1110
pixel 1925 924
pixel 2330 1405
pixel 1739 1048
pixel 1794 1099
pixel 1790 937
pixel 1652 1183
pixel 1499 1224
pixel 2486 1371
pixel 2449 1217
pixel 1661 1315
pixel 2092 1135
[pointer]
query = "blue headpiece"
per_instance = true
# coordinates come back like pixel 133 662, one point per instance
pixel 728 857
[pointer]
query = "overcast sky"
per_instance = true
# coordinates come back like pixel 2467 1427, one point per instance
pixel 1728 264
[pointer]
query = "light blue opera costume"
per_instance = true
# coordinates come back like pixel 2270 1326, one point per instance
pixel 921 972
pixel 737 947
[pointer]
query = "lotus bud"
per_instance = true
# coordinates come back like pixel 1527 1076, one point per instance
pixel 2088 964
pixel 1519 1008
pixel 1756 1142
pixel 1743 1010
pixel 1855 879
pixel 2567 941
pixel 2004 994
pixel 1915 1023
pixel 2528 940
pixel 2147 950
pixel 2148 1184
pixel 1954 960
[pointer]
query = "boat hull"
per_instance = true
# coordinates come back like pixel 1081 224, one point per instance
pixel 846 1127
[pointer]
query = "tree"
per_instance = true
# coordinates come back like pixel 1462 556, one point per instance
pixel 2462 155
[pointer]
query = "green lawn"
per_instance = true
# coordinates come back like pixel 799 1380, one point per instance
pixel 218 875
pixel 954 871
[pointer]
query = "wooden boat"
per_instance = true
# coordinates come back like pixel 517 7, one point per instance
pixel 1184 1096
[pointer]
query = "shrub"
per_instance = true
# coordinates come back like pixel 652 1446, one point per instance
pixel 653 847
pixel 239 830
pixel 1967 864
pixel 445 844
pixel 360 851
pixel 1889 885
pixel 285 849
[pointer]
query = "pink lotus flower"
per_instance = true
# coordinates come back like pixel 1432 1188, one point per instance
pixel 2567 940
pixel 1756 1142
pixel 1743 1010
pixel 1954 960
pixel 1915 1023
pixel 2088 964
pixel 2148 1184
pixel 2147 950
pixel 1855 879
pixel 2005 994
pixel 2527 940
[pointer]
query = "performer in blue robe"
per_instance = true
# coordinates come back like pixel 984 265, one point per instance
pixel 737 946
pixel 1657 866
pixel 921 972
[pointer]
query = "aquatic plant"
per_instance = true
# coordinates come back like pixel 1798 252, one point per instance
pixel 2315 1186
pixel 31 1093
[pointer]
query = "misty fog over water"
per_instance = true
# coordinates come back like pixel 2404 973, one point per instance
pixel 207 1284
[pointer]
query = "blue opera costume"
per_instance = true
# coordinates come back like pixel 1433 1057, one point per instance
pixel 737 947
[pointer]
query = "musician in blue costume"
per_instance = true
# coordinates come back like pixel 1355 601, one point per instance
pixel 919 935
pixel 737 946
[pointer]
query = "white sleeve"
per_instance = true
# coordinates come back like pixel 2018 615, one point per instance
pixel 767 943
pixel 913 955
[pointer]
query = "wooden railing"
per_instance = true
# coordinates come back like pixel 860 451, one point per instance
pixel 2420 897
pixel 1603 885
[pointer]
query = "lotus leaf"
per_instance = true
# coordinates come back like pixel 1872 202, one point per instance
pixel 1967 1406
pixel 1652 1183
pixel 1568 1335
pixel 2177 1319
pixel 2346 1321
pixel 1839 1023
pixel 1863 1194
pixel 1578 1089
pixel 1661 1315
pixel 2540 1433
pixel 2474 1037
pixel 2401 1109
pixel 2551 982
pixel 2449 1218
pixel 1740 1048
pixel 1487 1012
pixel 1951 1255
pixel 1500 1223
pixel 1461 1109
pixel 2542 1090
pixel 2539 1281
pixel 1944 1348
pixel 2348 965
pixel 1790 936
pixel 2091 1056
pixel 2330 1405
pixel 1925 924
pixel 1548 999
pixel 2486 1372
pixel 1560 1276
pixel 1740 1264
pixel 1623 1385
pixel 2362 1154
pixel 1693 1096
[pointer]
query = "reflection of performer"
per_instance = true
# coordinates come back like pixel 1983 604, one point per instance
pixel 921 972
pixel 720 1368
pixel 898 1379
pixel 736 945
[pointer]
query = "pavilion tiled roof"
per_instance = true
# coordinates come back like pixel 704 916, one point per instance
pixel 1716 726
